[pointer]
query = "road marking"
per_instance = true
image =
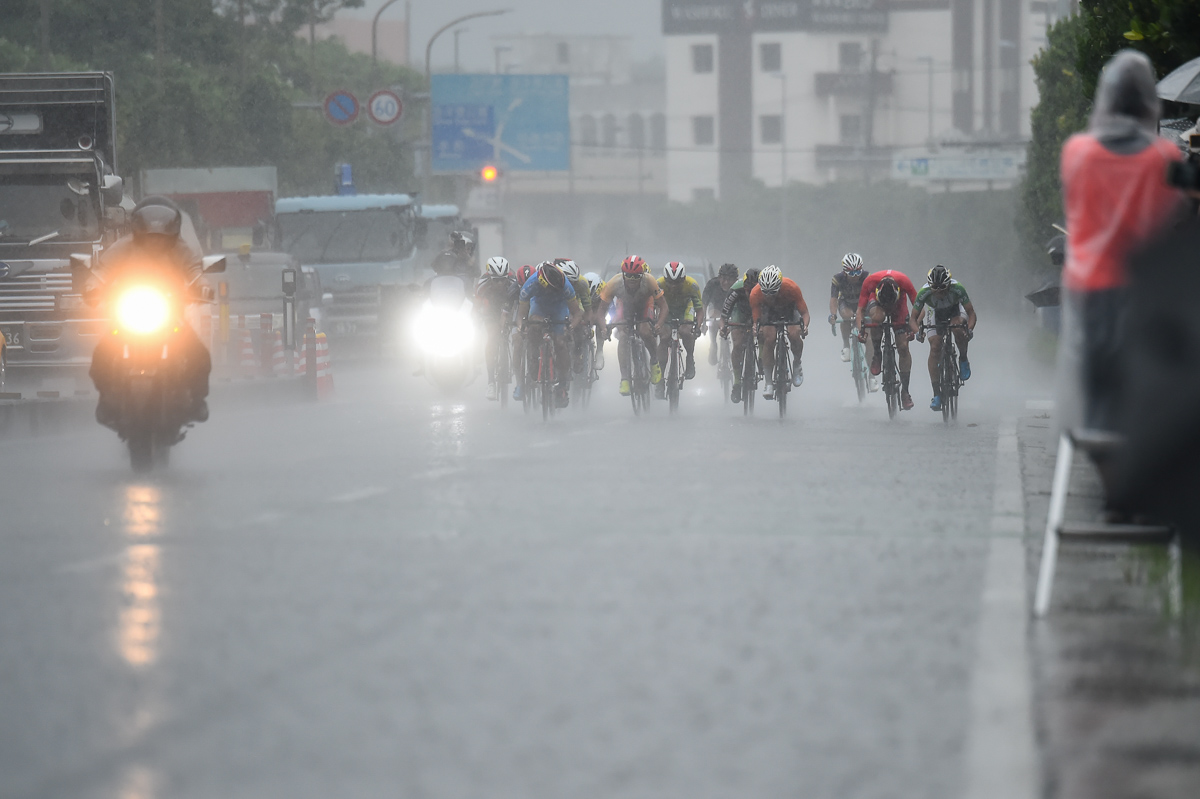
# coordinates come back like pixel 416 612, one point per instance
pixel 434 474
pixel 358 494
pixel 1001 759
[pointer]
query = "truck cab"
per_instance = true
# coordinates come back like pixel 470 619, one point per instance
pixel 364 248
pixel 59 195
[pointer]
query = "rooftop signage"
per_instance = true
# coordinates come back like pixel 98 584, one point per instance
pixel 764 16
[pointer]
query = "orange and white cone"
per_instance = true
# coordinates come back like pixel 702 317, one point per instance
pixel 278 362
pixel 324 368
pixel 247 363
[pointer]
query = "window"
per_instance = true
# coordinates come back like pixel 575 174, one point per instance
pixel 850 56
pixel 703 130
pixel 771 126
pixel 564 53
pixel 587 130
pixel 770 57
pixel 702 58
pixel 637 132
pixel 851 129
pixel 658 132
pixel 608 131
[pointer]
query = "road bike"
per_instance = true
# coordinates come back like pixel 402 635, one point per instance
pixel 587 374
pixel 539 375
pixel 782 379
pixel 858 364
pixel 725 365
pixel 751 367
pixel 674 372
pixel 949 377
pixel 890 372
pixel 504 367
pixel 639 368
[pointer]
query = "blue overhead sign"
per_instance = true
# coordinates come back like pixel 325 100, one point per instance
pixel 515 122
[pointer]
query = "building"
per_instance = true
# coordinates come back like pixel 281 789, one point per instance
pixel 823 90
pixel 355 34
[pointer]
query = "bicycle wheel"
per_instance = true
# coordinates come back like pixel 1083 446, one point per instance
pixel 783 373
pixel 749 383
pixel 589 374
pixel 502 374
pixel 944 386
pixel 637 369
pixel 858 369
pixel 672 378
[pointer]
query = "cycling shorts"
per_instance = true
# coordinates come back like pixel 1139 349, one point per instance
pixel 645 315
pixel 793 318
pixel 946 314
pixel 873 304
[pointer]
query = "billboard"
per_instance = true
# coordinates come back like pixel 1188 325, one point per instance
pixel 766 16
pixel 515 122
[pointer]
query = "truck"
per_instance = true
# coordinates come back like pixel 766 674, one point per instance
pixel 364 248
pixel 59 195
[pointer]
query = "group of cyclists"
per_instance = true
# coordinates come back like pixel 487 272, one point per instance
pixel 640 307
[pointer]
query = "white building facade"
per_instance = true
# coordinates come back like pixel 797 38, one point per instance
pixel 822 90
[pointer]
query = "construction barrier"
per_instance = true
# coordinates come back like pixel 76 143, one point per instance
pixel 278 361
pixel 247 363
pixel 324 368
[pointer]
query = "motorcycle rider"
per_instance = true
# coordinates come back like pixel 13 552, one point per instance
pixel 715 292
pixel 496 295
pixel 458 260
pixel 153 245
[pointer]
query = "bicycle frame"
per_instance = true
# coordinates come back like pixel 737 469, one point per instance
pixel 639 366
pixel 949 378
pixel 890 371
pixel 750 366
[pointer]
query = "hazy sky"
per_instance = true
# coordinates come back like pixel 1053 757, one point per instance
pixel 641 19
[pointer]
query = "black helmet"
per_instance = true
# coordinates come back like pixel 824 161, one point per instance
pixel 939 278
pixel 457 237
pixel 887 292
pixel 751 278
pixel 728 271
pixel 156 216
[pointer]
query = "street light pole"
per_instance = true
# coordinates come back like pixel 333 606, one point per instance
pixel 457 32
pixel 783 173
pixel 929 59
pixel 375 31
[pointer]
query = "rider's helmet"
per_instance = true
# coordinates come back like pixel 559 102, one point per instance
pixel 674 271
pixel 751 279
pixel 770 280
pixel 633 266
pixel 550 276
pixel 852 263
pixel 459 240
pixel 939 278
pixel 568 267
pixel 156 220
pixel 497 266
pixel 593 280
pixel 728 271
pixel 887 292
pixel 524 273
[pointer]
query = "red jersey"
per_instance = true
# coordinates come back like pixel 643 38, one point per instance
pixel 788 299
pixel 907 292
pixel 1113 204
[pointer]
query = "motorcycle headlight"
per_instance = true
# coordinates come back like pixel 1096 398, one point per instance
pixel 444 332
pixel 143 310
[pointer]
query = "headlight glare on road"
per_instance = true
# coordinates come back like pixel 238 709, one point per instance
pixel 444 332
pixel 143 310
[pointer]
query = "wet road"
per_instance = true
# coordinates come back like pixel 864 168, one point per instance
pixel 396 594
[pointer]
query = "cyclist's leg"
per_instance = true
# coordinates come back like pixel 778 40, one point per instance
pixel 491 326
pixel 904 360
pixel 688 336
pixel 935 355
pixel 847 314
pixel 766 334
pixel 960 336
pixel 737 351
pixel 873 347
pixel 663 350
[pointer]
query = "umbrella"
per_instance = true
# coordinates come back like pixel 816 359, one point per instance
pixel 1182 85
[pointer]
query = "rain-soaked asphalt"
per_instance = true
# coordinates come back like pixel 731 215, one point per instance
pixel 396 594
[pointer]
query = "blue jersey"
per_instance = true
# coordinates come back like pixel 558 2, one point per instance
pixel 546 302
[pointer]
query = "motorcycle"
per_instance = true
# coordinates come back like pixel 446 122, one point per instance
pixel 445 335
pixel 150 402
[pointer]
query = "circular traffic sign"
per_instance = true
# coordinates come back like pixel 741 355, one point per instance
pixel 341 107
pixel 385 107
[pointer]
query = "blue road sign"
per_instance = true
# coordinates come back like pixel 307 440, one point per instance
pixel 515 122
pixel 341 107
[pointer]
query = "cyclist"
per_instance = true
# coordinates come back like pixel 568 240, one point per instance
pixel 886 292
pixel 715 292
pixel 597 314
pixel 736 310
pixel 496 296
pixel 684 303
pixel 583 293
pixel 843 297
pixel 778 299
pixel 636 297
pixel 547 296
pixel 950 303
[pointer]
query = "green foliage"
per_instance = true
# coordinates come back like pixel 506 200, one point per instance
pixel 226 93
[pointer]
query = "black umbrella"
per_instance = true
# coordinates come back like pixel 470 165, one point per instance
pixel 1182 85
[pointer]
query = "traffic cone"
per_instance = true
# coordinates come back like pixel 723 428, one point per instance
pixel 278 363
pixel 247 363
pixel 324 368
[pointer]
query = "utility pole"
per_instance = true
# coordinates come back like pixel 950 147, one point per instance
pixel 457 33
pixel 929 59
pixel 869 132
pixel 160 46
pixel 44 30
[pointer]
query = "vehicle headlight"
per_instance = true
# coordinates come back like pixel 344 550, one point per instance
pixel 444 332
pixel 143 310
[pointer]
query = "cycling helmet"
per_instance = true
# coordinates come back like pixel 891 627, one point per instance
pixel 751 279
pixel 674 271
pixel 770 280
pixel 568 267
pixel 524 273
pixel 551 276
pixel 593 280
pixel 852 263
pixel 887 292
pixel 156 216
pixel 939 278
pixel 633 266
pixel 728 271
pixel 497 266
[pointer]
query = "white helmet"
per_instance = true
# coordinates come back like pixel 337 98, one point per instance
pixel 674 271
pixel 770 280
pixel 568 267
pixel 852 263
pixel 497 266
pixel 593 279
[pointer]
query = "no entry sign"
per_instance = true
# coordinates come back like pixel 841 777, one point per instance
pixel 341 107
pixel 385 107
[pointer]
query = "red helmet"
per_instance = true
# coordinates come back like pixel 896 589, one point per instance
pixel 674 271
pixel 634 265
pixel 524 273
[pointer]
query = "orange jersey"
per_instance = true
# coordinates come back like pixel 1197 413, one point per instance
pixel 789 299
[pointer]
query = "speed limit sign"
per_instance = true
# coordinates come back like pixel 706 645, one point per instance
pixel 385 107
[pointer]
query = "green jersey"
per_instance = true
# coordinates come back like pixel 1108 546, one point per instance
pixel 955 296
